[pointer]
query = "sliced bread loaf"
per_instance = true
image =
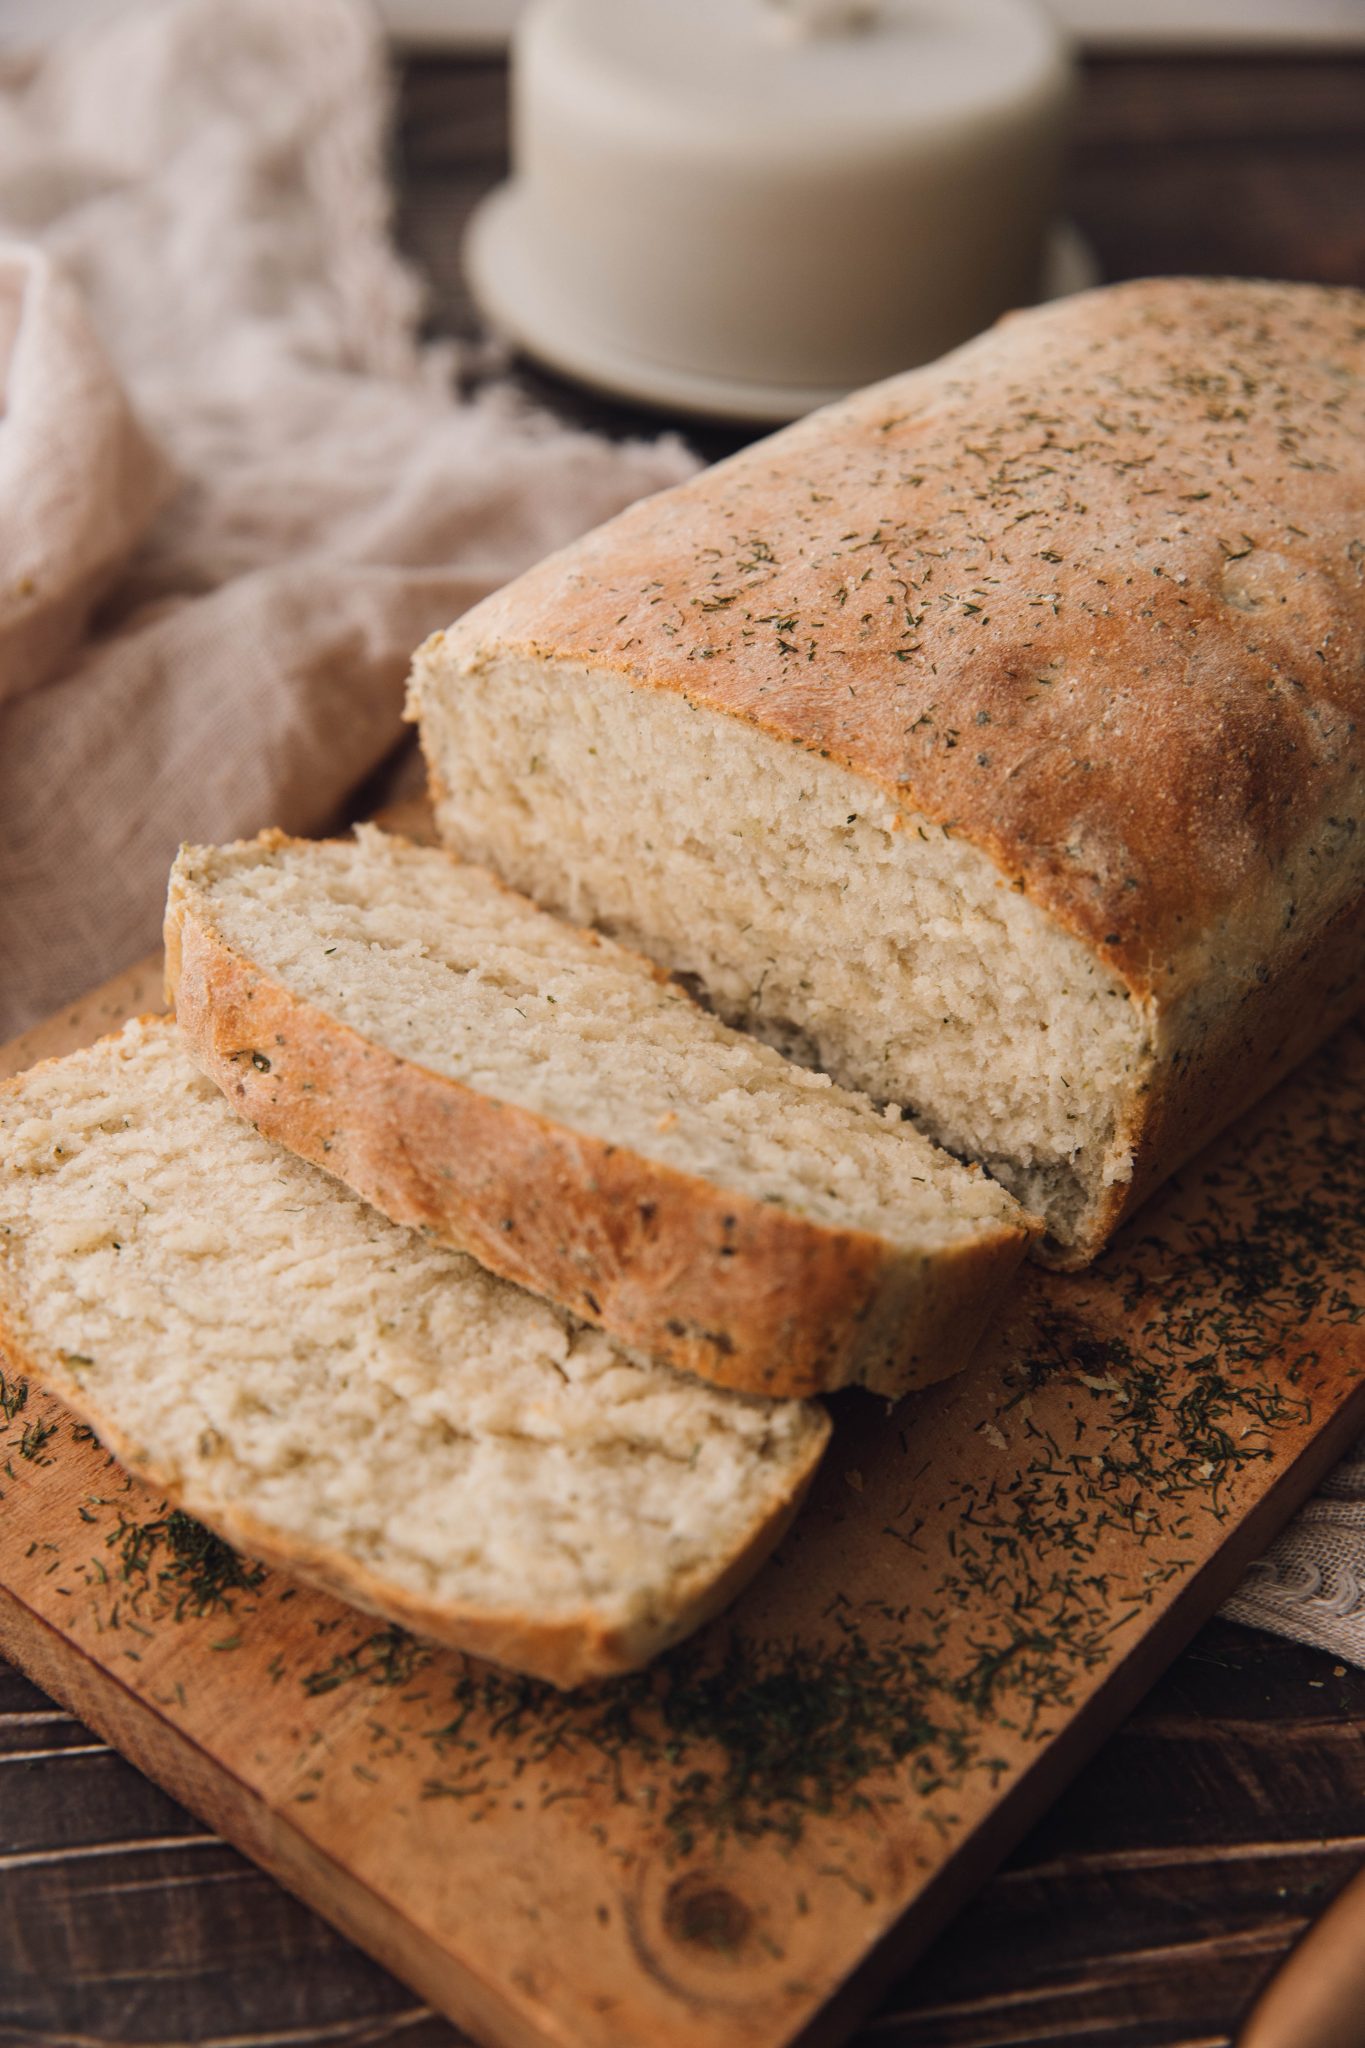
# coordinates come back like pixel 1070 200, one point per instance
pixel 996 736
pixel 359 1406
pixel 547 1100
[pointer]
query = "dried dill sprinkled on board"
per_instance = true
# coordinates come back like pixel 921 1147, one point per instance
pixel 390 1656
pixel 37 1435
pixel 753 1741
pixel 749 1743
pixel 198 1570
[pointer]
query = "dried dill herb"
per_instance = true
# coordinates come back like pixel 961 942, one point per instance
pixel 751 1742
pixel 36 1435
pixel 388 1657
pixel 775 1733
pixel 13 1396
pixel 199 1570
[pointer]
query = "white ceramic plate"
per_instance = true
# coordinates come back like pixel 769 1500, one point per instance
pixel 515 298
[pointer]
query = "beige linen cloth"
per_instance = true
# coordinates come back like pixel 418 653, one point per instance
pixel 235 490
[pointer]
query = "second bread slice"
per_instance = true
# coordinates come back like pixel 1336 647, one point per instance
pixel 546 1099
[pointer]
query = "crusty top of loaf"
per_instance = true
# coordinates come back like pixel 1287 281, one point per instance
pixel 1089 590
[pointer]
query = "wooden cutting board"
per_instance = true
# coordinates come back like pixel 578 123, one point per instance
pixel 741 1847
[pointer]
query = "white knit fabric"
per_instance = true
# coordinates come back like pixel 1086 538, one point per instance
pixel 1311 1583
pixel 235 490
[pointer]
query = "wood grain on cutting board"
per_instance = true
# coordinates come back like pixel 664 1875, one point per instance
pixel 738 1847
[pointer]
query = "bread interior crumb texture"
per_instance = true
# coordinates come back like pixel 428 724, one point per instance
pixel 261 1335
pixel 808 905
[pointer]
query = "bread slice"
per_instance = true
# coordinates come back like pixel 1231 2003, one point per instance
pixel 354 1404
pixel 550 1102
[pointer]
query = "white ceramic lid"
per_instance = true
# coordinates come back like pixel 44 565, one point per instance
pixel 790 195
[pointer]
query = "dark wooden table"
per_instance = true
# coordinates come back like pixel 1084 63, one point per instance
pixel 1172 1877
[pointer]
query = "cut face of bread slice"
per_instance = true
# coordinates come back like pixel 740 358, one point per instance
pixel 547 1100
pixel 849 930
pixel 355 1404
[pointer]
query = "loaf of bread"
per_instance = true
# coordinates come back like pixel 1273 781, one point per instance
pixel 533 1094
pixel 361 1407
pixel 993 738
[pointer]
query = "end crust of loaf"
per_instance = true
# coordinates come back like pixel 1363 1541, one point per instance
pixel 74 1304
pixel 741 1291
pixel 1036 675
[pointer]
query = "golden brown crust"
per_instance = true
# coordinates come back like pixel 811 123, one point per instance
pixel 1152 496
pixel 741 1292
pixel 1091 591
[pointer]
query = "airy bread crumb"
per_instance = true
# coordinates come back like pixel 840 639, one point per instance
pixel 810 908
pixel 433 1443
